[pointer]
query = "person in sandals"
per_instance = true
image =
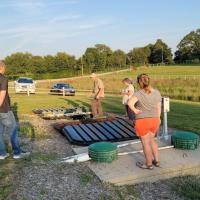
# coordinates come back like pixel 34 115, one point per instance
pixel 146 104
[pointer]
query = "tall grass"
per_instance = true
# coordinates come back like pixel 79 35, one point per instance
pixel 177 82
pixel 179 88
pixel 182 88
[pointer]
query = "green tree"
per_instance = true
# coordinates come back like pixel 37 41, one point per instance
pixel 37 64
pixel 189 48
pixel 50 63
pixel 138 56
pixel 90 59
pixel 160 53
pixel 18 63
pixel 102 58
pixel 63 61
pixel 117 59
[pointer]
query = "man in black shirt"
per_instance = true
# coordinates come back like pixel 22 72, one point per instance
pixel 8 125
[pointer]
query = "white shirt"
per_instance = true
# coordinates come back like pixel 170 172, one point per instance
pixel 126 97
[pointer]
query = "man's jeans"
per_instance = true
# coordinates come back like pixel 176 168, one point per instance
pixel 8 127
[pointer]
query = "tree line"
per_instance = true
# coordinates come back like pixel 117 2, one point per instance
pixel 102 58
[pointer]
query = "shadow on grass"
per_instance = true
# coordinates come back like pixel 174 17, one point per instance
pixel 113 105
pixel 71 102
pixel 110 104
pixel 77 103
pixel 83 103
pixel 26 129
pixel 14 108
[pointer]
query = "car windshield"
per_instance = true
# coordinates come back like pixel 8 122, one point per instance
pixel 63 86
pixel 25 80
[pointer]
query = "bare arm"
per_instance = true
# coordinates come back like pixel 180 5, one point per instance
pixel 131 104
pixel 2 96
pixel 99 92
pixel 129 93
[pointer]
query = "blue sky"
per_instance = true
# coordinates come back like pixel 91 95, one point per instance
pixel 47 26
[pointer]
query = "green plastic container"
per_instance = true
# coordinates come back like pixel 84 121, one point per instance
pixel 104 152
pixel 185 140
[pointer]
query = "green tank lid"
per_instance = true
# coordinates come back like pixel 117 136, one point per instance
pixel 185 135
pixel 103 152
pixel 185 140
pixel 103 147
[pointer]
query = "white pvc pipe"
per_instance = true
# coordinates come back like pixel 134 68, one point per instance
pixel 85 157
pixel 140 151
pixel 128 143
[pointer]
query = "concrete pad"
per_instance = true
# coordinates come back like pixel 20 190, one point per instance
pixel 123 171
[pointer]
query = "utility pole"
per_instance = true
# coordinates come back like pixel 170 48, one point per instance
pixel 82 65
pixel 162 54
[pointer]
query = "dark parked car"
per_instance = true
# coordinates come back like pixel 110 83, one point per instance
pixel 63 88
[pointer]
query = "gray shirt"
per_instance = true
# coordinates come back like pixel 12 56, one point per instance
pixel 147 103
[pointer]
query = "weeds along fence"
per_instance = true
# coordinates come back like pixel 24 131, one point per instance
pixel 175 76
pixel 182 88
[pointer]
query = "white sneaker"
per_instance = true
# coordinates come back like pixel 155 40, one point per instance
pixel 4 157
pixel 21 155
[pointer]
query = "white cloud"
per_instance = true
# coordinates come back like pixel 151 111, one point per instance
pixel 15 30
pixel 87 26
pixel 57 3
pixel 59 19
pixel 51 32
pixel 96 24
pixel 35 4
pixel 43 28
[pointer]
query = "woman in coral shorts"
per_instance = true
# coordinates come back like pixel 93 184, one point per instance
pixel 146 104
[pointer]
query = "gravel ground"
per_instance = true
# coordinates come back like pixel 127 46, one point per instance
pixel 43 177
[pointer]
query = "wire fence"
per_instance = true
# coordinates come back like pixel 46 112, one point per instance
pixel 177 86
pixel 175 76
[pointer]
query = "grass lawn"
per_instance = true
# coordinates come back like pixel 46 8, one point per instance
pixel 184 115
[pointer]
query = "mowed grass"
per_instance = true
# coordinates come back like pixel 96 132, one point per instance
pixel 184 115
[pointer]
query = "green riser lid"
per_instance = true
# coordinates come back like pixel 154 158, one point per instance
pixel 104 160
pixel 114 155
pixel 102 146
pixel 185 140
pixel 104 152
